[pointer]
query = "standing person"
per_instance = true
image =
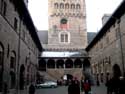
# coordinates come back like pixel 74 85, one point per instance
pixel 74 87
pixel 31 89
pixel 86 87
pixel 114 83
pixel 109 86
pixel 82 83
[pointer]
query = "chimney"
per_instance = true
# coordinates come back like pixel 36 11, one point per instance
pixel 105 18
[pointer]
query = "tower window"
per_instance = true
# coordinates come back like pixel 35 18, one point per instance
pixel 72 6
pixel 56 5
pixel 78 6
pixel 66 6
pixel 61 6
pixel 64 37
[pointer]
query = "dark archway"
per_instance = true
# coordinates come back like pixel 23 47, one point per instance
pixel 60 64
pixel 86 63
pixel 42 65
pixel 116 71
pixel 78 63
pixel 21 82
pixel 51 63
pixel 69 63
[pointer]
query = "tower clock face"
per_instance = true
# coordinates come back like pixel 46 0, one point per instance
pixel 63 21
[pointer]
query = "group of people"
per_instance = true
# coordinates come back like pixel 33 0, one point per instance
pixel 75 87
pixel 116 84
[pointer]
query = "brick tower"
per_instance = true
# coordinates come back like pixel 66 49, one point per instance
pixel 67 24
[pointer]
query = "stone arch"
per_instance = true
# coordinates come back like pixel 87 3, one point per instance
pixel 78 6
pixel 21 81
pixel 67 6
pixel 60 63
pixel 51 63
pixel 72 6
pixel 86 63
pixel 61 6
pixel 69 63
pixel 116 71
pixel 1 65
pixel 56 5
pixel 42 65
pixel 77 63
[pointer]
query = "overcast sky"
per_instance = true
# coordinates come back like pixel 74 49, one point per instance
pixel 95 9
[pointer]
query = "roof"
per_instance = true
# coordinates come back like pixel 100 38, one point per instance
pixel 114 17
pixel 43 36
pixel 25 16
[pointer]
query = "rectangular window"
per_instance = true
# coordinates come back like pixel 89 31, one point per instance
pixel 4 8
pixel 62 37
pixel 66 38
pixel 12 60
pixel 15 23
pixel 1 5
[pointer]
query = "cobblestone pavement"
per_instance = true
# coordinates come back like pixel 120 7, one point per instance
pixel 99 89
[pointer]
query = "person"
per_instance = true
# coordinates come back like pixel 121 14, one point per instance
pixel 82 83
pixel 5 88
pixel 109 86
pixel 31 89
pixel 74 87
pixel 113 85
pixel 86 87
pixel 122 85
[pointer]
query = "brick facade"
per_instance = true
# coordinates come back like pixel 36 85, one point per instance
pixel 108 47
pixel 18 47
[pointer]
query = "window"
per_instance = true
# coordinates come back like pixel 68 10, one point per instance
pixel 64 37
pixel 1 66
pixel 56 5
pixel 61 6
pixel 12 70
pixel 15 23
pixel 72 6
pixel 78 6
pixel 1 5
pixel 66 6
pixel 4 8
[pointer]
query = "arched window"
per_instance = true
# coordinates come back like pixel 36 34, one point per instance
pixel 12 69
pixel 66 6
pixel 61 6
pixel 78 6
pixel 72 6
pixel 56 5
pixel 1 66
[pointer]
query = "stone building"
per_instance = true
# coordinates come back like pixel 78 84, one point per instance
pixel 64 53
pixel 108 47
pixel 19 46
pixel 67 24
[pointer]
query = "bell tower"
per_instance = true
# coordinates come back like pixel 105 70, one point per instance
pixel 67 24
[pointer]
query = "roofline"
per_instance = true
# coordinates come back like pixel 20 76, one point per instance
pixel 113 18
pixel 25 16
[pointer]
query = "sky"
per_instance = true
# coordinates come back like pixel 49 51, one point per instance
pixel 95 9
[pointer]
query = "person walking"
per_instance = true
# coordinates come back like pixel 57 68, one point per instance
pixel 86 87
pixel 31 89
